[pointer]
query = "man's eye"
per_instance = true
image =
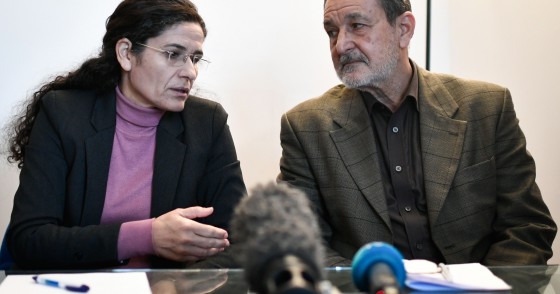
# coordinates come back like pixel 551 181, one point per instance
pixel 357 26
pixel 332 33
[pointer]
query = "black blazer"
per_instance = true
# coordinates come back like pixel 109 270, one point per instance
pixel 59 202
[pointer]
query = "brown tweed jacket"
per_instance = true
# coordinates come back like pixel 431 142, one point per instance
pixel 483 203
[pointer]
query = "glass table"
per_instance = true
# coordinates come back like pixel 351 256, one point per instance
pixel 523 279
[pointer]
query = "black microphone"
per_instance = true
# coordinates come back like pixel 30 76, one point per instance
pixel 378 266
pixel 279 241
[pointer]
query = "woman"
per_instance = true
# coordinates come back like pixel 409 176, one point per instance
pixel 119 165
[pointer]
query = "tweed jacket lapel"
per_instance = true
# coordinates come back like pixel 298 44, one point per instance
pixel 98 157
pixel 442 140
pixel 357 149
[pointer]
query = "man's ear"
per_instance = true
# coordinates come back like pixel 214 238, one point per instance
pixel 406 24
pixel 124 56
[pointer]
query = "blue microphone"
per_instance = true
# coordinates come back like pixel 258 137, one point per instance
pixel 378 266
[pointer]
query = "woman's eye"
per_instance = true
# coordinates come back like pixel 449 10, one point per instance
pixel 174 55
pixel 196 58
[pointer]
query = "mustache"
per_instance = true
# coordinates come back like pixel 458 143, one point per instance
pixel 353 57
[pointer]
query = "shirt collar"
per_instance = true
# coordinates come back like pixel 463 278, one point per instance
pixel 411 91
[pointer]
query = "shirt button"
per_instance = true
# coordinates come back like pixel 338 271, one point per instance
pixel 419 246
pixel 407 208
pixel 398 168
pixel 395 130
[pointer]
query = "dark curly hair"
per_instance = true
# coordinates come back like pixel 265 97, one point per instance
pixel 137 20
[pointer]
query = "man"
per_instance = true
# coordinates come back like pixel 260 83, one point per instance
pixel 431 163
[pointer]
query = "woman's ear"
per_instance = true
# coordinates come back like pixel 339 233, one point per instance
pixel 124 56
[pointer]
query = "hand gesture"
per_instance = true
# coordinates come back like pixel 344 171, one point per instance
pixel 177 236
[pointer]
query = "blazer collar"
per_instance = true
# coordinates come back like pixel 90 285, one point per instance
pixel 168 162
pixel 355 143
pixel 104 113
pixel 170 152
pixel 98 157
pixel 104 116
pixel 441 141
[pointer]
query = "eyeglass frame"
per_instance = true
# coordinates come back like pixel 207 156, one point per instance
pixel 190 56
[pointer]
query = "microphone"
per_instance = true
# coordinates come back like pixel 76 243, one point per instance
pixel 378 266
pixel 279 241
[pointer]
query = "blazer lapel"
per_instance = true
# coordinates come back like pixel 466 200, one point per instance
pixel 356 146
pixel 98 157
pixel 168 162
pixel 441 140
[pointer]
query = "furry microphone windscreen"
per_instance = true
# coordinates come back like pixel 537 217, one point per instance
pixel 275 221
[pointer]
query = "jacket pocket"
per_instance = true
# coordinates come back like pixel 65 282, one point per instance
pixel 482 171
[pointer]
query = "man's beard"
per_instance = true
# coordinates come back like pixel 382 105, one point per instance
pixel 375 74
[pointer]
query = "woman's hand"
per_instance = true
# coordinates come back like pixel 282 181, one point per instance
pixel 176 236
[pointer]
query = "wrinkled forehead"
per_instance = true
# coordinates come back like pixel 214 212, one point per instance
pixel 340 11
pixel 333 5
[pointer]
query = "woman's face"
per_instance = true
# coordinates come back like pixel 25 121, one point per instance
pixel 152 78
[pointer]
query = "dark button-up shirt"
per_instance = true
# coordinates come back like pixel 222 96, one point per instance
pixel 398 141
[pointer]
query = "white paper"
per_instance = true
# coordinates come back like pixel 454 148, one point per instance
pixel 466 276
pixel 99 283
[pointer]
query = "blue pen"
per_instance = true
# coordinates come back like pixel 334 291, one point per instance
pixel 70 287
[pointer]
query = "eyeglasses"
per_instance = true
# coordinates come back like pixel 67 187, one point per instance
pixel 178 59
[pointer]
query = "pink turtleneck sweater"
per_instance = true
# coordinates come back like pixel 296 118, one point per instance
pixel 129 188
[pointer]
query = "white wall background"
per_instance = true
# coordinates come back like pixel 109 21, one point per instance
pixel 267 56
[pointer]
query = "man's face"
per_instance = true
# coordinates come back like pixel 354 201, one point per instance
pixel 364 46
